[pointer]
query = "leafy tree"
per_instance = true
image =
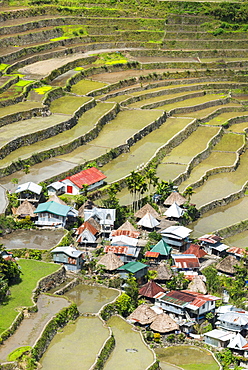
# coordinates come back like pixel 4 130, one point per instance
pixel 188 192
pixel 177 282
pixel 124 304
pixel 212 279
pixel 164 188
pixel 26 168
pixel 131 288
pixel 15 180
pixel 3 287
pixel 154 236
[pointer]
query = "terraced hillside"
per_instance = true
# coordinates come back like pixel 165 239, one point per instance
pixel 129 86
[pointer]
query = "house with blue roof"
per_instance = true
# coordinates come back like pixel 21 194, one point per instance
pixel 54 214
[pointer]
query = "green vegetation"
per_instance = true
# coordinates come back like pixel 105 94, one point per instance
pixel 31 272
pixel 111 59
pixel 188 358
pixel 17 353
pixel 43 89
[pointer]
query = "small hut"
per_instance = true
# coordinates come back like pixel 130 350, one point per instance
pixel 143 315
pixel 146 209
pixel 197 285
pixel 227 265
pixel 175 197
pixel 126 229
pixel 148 221
pixel 110 261
pixel 174 211
pixel 162 248
pixel 150 289
pixel 164 324
pixel 55 198
pixel 163 272
pixel 25 209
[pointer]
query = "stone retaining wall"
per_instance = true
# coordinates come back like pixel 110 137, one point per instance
pixel 13 80
pixel 68 286
pixel 46 133
pixel 199 157
pixel 19 98
pixel 63 149
pixel 49 282
pixel 21 116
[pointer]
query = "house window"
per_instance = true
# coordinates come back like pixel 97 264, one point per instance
pixel 108 217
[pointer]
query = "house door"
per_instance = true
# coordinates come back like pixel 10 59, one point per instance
pixel 69 189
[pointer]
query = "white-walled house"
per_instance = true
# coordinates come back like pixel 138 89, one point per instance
pixel 91 177
pixel 104 216
pixel 54 214
pixel 186 304
pixel 176 236
pixel 70 257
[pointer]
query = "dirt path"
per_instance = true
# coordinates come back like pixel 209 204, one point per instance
pixel 32 326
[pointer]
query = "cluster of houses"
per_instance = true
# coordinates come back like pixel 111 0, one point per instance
pixel 167 311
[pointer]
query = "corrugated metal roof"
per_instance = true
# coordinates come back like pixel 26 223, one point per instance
pixel 70 251
pixel 86 225
pixel 130 233
pixel 186 261
pixel 31 186
pixel 53 207
pixel 196 250
pixel 86 177
pixel 132 267
pixel 116 249
pixel 235 250
pixel 210 238
pixel 151 254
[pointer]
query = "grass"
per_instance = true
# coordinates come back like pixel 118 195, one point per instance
pixel 3 66
pixel 13 356
pixel 32 272
pixel 23 82
pixel 67 104
pixel 111 58
pixel 43 89
pixel 188 358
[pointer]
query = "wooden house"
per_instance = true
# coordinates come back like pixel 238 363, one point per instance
pixel 29 191
pixel 104 216
pixel 213 245
pixel 137 269
pixel 126 229
pixel 70 257
pixel 56 187
pixel 150 289
pixel 87 234
pixel 163 323
pixel 184 262
pixel 177 237
pixel 161 249
pixel 148 221
pixel 142 315
pixel 54 214
pixel 124 252
pixel 186 304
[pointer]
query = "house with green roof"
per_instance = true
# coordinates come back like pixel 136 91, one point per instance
pixel 137 269
pixel 54 214
pixel 160 251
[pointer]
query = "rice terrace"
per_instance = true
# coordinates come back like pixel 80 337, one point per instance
pixel 126 86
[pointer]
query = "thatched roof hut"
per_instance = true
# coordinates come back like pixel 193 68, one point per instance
pixel 55 198
pixel 143 314
pixel 175 197
pixel 163 272
pixel 25 209
pixel 150 289
pixel 197 285
pixel 146 209
pixel 227 265
pixel 110 261
pixel 127 226
pixel 164 324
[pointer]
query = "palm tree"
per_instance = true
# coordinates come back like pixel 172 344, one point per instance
pixel 188 192
pixel 133 185
pixel 85 189
pixel 152 178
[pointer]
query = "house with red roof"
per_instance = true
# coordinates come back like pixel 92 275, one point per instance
pixel 186 304
pixel 183 262
pixel 197 250
pixel 91 177
pixel 150 289
pixel 87 234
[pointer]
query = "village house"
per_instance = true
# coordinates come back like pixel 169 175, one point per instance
pixel 212 244
pixel 235 320
pixel 29 191
pixel 237 252
pixel 150 289
pixel 177 237
pixel 174 197
pixel 87 234
pixel 227 265
pixel 25 209
pixel 125 253
pixel 92 177
pixel 104 216
pixel 174 211
pixel 110 262
pixel 186 304
pixel 218 338
pixel 159 251
pixel 56 187
pixel 197 250
pixel 54 214
pixel 70 257
pixel 185 262
pixel 126 229
pixel 147 208
pixel 137 269
pixel 148 222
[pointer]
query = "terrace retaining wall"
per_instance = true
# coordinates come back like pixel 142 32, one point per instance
pixel 45 133
pixel 21 116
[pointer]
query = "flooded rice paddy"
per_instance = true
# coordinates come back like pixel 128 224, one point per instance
pixel 205 112
pixel 127 338
pixel 143 150
pixel 85 123
pixel 84 87
pixel 19 107
pixel 187 358
pixel 90 299
pixel 32 239
pixel 68 104
pixel 239 240
pixel 224 117
pixel 221 217
pixel 76 346
pixel 32 326
pixel 222 184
